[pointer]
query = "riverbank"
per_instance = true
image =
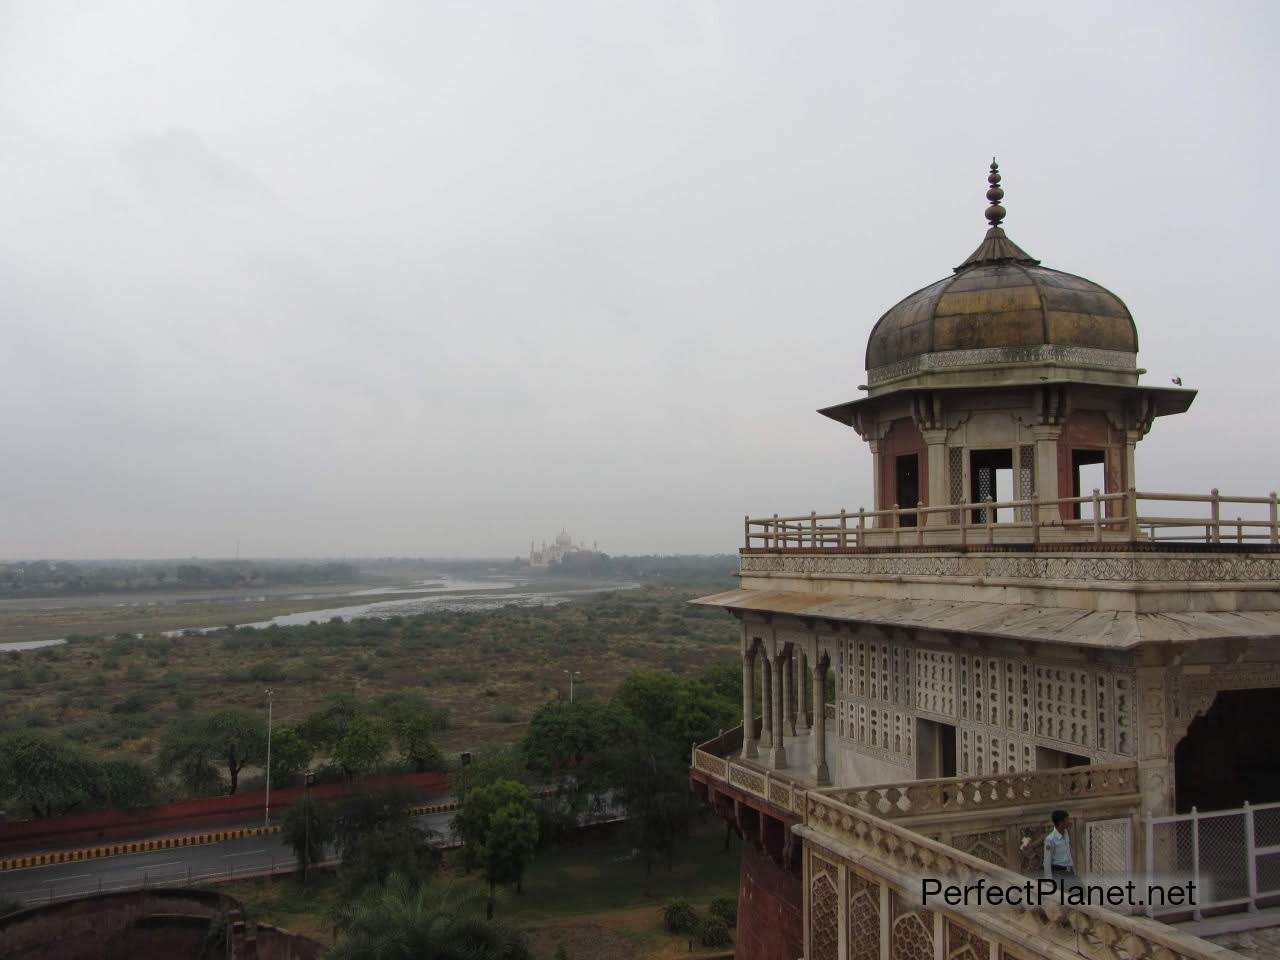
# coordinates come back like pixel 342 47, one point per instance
pixel 488 668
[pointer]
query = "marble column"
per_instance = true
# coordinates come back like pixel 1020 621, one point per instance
pixel 749 750
pixel 800 659
pixel 766 702
pixel 1046 443
pixel 938 491
pixel 778 755
pixel 818 677
pixel 788 708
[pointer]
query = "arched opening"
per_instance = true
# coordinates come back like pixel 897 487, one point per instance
pixel 1231 754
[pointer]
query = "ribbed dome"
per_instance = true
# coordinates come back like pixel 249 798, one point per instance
pixel 1001 299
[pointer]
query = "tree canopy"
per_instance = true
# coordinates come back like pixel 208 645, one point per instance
pixel 498 827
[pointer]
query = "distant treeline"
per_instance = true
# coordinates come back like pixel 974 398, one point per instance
pixel 712 568
pixel 103 576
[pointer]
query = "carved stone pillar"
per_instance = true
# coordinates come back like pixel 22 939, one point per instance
pixel 766 702
pixel 1131 438
pixel 778 754
pixel 1155 752
pixel 749 750
pixel 801 662
pixel 818 677
pixel 1046 438
pixel 788 708
pixel 877 481
pixel 938 490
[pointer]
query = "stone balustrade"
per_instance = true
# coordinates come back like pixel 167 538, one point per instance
pixel 897 857
pixel 980 793
pixel 853 831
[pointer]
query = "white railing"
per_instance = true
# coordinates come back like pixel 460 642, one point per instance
pixel 1232 857
pixel 1126 516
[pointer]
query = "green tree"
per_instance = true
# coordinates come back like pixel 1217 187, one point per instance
pixel 194 749
pixel 290 756
pixel 364 745
pixel 413 735
pixel 46 775
pixel 404 921
pixel 488 766
pixel 566 740
pixel 399 847
pixel 323 728
pixel 121 782
pixel 498 827
pixel 188 755
pixel 376 836
pixel 308 826
pixel 650 781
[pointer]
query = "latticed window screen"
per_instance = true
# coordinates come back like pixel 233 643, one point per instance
pixel 1026 479
pixel 955 466
pixel 1107 845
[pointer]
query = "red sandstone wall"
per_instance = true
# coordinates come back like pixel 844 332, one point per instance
pixel 17 836
pixel 770 911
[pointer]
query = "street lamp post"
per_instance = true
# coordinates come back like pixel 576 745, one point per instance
pixel 575 673
pixel 266 815
pixel 307 779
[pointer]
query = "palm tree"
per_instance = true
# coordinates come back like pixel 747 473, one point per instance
pixel 402 921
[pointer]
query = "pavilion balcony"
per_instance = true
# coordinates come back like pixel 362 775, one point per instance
pixel 1129 517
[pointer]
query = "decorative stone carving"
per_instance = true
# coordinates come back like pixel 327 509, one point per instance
pixel 864 918
pixel 1036 353
pixel 965 944
pixel 1108 569
pixel 824 909
pixel 911 934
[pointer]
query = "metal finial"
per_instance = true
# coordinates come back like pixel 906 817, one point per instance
pixel 995 212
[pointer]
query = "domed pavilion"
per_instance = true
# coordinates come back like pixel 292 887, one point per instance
pixel 1013 627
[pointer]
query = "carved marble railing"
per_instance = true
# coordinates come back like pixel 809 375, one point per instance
pixel 771 787
pixel 901 857
pixel 970 794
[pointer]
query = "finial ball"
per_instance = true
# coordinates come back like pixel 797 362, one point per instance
pixel 995 213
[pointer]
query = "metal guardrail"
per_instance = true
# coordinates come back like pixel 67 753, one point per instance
pixel 1232 856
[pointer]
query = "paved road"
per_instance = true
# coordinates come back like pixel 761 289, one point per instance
pixel 220 861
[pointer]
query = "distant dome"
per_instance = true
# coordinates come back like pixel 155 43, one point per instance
pixel 563 539
pixel 1001 302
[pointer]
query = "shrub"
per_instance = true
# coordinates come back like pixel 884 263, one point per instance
pixel 506 713
pixel 185 701
pixel 679 916
pixel 266 671
pixel 724 908
pixel 714 933
pixel 133 703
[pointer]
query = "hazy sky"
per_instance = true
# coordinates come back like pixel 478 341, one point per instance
pixel 434 278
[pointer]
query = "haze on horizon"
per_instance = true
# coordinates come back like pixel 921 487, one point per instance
pixel 436 279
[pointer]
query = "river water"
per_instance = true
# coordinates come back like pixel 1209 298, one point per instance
pixel 422 596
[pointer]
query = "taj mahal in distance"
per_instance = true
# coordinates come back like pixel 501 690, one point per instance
pixel 1016 626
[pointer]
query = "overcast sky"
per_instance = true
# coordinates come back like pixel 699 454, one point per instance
pixel 435 278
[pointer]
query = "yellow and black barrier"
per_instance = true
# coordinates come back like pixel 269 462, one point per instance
pixel 165 843
pixel 132 846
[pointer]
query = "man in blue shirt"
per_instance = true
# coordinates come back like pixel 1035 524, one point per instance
pixel 1058 864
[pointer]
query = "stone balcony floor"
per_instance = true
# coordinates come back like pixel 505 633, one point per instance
pixel 799 768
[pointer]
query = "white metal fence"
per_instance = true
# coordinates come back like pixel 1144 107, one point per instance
pixel 1232 856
